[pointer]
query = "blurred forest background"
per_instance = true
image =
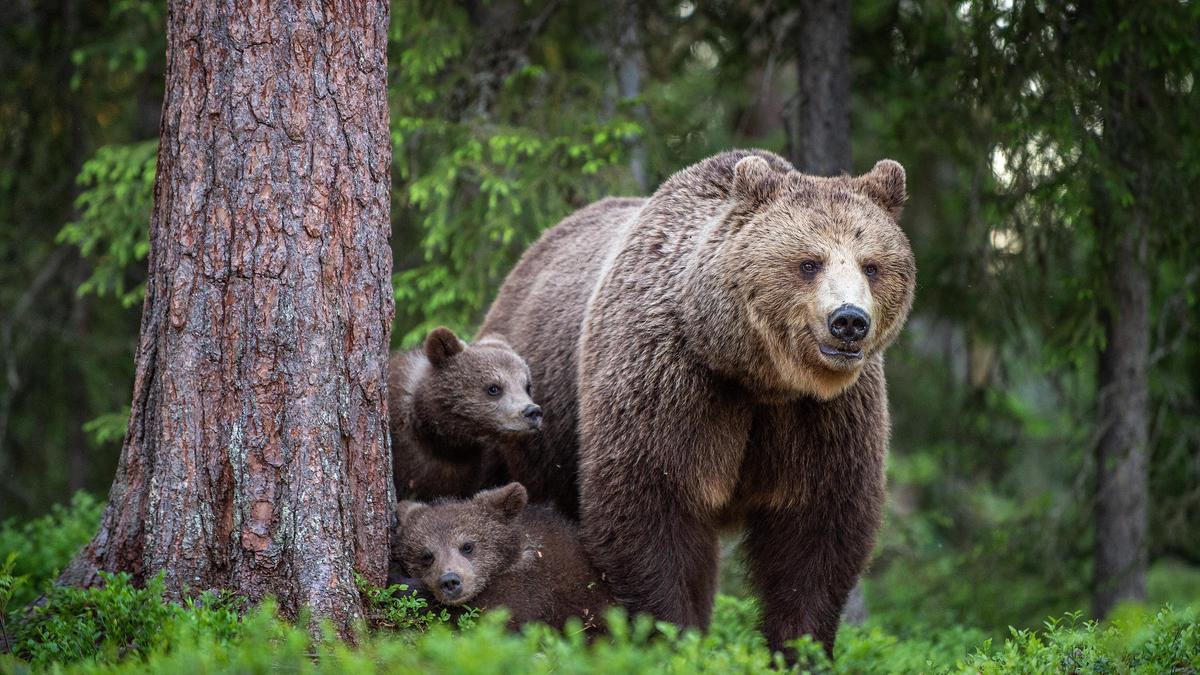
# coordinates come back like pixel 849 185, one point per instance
pixel 1053 157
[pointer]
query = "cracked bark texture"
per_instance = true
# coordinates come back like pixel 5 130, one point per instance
pixel 257 455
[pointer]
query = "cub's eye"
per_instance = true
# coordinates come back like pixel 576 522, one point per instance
pixel 494 390
pixel 870 269
pixel 426 558
pixel 528 389
pixel 467 548
pixel 809 267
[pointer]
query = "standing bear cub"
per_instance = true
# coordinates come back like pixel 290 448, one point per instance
pixel 495 551
pixel 460 415
pixel 711 357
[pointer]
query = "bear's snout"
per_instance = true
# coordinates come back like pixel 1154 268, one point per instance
pixel 849 323
pixel 533 415
pixel 451 585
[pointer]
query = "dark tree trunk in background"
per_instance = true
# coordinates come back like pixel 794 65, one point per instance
pixel 1123 418
pixel 1121 461
pixel 629 64
pixel 257 455
pixel 817 123
pixel 818 119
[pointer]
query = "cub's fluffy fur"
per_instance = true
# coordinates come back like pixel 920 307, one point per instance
pixel 460 415
pixel 494 550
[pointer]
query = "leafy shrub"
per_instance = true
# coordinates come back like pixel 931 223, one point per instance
pixel 117 620
pixel 138 635
pixel 1133 642
pixel 393 608
pixel 43 546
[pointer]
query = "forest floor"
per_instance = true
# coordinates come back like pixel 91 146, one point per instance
pixel 124 629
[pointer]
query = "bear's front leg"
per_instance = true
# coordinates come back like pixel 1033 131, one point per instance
pixel 656 557
pixel 804 562
pixel 660 447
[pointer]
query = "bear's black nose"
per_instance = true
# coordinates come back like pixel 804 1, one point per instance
pixel 849 323
pixel 451 585
pixel 533 413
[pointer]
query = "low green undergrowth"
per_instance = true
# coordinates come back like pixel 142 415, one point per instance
pixel 120 628
pixel 41 547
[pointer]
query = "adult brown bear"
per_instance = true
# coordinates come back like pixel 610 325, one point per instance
pixel 712 357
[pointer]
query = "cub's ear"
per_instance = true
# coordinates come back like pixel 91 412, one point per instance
pixel 754 181
pixel 440 345
pixel 404 513
pixel 507 501
pixel 885 185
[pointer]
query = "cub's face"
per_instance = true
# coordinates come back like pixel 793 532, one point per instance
pixel 455 548
pixel 480 391
pixel 825 273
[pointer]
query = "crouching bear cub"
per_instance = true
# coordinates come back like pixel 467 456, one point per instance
pixel 495 551
pixel 461 415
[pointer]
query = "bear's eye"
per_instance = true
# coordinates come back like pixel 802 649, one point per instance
pixel 467 548
pixel 426 558
pixel 494 390
pixel 870 269
pixel 809 267
pixel 528 389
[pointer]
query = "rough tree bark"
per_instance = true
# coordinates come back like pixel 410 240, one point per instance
pixel 817 123
pixel 257 454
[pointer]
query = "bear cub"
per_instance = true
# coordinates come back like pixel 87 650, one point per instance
pixel 460 415
pixel 494 550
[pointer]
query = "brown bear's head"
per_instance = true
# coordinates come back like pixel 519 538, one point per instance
pixel 456 547
pixel 474 393
pixel 821 270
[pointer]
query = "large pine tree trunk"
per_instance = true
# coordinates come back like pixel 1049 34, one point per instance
pixel 257 455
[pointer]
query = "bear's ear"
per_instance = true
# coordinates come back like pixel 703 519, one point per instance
pixel 440 345
pixel 507 501
pixel 754 181
pixel 404 513
pixel 885 185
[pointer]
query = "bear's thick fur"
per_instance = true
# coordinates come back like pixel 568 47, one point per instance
pixel 495 551
pixel 712 357
pixel 460 415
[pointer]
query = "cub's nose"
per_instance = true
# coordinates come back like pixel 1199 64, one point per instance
pixel 849 323
pixel 451 585
pixel 533 415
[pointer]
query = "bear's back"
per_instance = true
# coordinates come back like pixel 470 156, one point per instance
pixel 404 372
pixel 539 310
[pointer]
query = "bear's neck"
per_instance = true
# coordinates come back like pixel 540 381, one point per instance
pixel 442 442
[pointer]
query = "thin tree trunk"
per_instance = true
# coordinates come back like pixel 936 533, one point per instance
pixel 257 455
pixel 1123 417
pixel 629 63
pixel 817 123
pixel 818 119
pixel 1121 506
